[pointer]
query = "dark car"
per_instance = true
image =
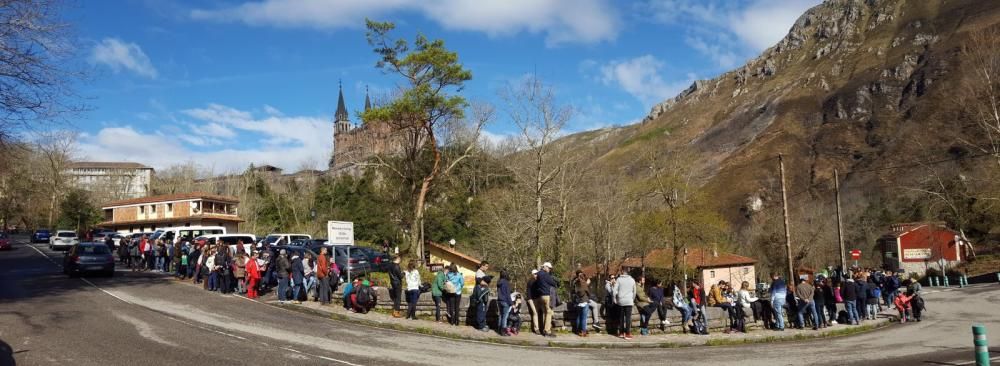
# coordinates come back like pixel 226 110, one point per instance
pixel 312 244
pixel 5 242
pixel 87 258
pixel 362 260
pixel 41 236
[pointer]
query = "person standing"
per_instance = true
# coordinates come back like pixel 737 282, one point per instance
pixel 849 292
pixel 503 303
pixel 481 297
pixel 282 267
pixel 298 277
pixel 805 293
pixel 643 304
pixel 531 296
pixel 437 291
pixel 779 292
pixel 412 290
pixel 241 271
pixel 453 288
pixel 581 299
pixel 253 276
pixel 624 294
pixel 544 288
pixel 395 286
pixel 323 274
pixel 819 298
pixel 657 297
pixel 481 271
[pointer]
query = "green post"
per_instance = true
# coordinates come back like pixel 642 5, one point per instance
pixel 982 345
pixel 933 281
pixel 946 284
pixel 965 279
pixel 961 281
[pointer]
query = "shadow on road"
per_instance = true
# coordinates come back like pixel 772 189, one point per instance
pixel 6 354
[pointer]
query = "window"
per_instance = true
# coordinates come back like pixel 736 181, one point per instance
pixel 142 209
pixel 711 274
pixel 170 207
pixel 152 208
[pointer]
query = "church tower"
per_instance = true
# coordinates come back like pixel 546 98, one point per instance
pixel 341 119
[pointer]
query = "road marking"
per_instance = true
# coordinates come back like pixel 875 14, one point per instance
pixel 321 357
pixel 45 255
pixel 106 291
pixel 956 363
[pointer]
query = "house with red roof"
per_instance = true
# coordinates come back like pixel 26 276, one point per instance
pixel 919 246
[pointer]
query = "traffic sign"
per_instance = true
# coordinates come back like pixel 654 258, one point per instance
pixel 855 254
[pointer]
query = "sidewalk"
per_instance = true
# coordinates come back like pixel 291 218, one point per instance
pixel 594 340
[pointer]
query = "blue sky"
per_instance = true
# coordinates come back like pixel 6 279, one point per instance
pixel 226 83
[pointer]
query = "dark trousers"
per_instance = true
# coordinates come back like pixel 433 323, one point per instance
pixel 481 316
pixel 324 290
pixel 453 302
pixel 821 313
pixel 626 319
pixel 412 296
pixel 437 308
pixel 396 293
pixel 741 316
pixel 862 307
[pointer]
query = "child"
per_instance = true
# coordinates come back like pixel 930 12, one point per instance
pixel 184 263
pixel 514 319
pixel 903 305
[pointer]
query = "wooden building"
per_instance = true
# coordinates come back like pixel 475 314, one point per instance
pixel 186 209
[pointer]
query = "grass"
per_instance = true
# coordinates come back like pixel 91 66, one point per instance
pixel 652 134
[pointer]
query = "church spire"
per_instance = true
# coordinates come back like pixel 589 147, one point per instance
pixel 341 114
pixel 368 101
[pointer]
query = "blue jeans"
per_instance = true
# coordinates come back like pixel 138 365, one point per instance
pixel 852 311
pixel 310 282
pixel 685 313
pixel 811 308
pixel 213 281
pixel 296 287
pixel 582 314
pixel 504 316
pixel 282 289
pixel 778 303
pixel 159 263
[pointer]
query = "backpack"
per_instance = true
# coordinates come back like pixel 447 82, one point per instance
pixel 334 268
pixel 364 295
pixel 843 318
pixel 873 292
pixel 449 287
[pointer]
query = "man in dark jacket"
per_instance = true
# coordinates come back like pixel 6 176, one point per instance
pixel 298 275
pixel 395 286
pixel 530 295
pixel 282 266
pixel 862 300
pixel 544 289
pixel 849 292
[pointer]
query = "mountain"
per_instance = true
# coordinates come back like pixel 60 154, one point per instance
pixel 860 86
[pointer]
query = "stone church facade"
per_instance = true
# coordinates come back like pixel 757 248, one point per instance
pixel 356 144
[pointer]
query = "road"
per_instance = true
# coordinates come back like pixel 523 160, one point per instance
pixel 145 319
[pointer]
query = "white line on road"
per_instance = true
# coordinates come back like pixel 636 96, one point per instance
pixel 44 255
pixel 145 330
pixel 321 357
pixel 957 363
pixel 106 291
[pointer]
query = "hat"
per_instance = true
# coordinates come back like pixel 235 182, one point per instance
pixel 534 271
pixel 546 265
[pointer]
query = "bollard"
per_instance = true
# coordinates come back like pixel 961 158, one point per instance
pixel 946 284
pixel 933 281
pixel 961 281
pixel 982 346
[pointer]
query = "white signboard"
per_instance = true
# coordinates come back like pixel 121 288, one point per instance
pixel 921 253
pixel 340 232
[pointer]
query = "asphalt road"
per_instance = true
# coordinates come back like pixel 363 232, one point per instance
pixel 146 319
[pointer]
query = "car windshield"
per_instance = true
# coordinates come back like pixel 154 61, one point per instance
pixel 233 240
pixel 66 235
pixel 299 237
pixel 93 249
pixel 43 231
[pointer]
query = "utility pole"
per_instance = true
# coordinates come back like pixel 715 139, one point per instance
pixel 784 210
pixel 840 222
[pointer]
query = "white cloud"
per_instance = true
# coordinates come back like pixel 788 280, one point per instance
pixel 562 21
pixel 640 77
pixel 222 138
pixel 725 30
pixel 120 55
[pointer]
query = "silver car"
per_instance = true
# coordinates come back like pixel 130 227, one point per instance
pixel 63 239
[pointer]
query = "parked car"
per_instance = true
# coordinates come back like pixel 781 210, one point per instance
pixel 5 241
pixel 101 237
pixel 41 236
pixel 284 239
pixel 84 258
pixel 64 239
pixel 360 261
pixel 232 240
pixel 174 233
pixel 312 244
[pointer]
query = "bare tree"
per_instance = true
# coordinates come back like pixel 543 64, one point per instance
pixel 533 108
pixel 35 76
pixel 56 151
pixel 980 93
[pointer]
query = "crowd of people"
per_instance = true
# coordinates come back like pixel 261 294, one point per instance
pixel 810 302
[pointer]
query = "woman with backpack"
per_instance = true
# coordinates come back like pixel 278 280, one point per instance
pixel 453 293
pixel 412 289
pixel 503 303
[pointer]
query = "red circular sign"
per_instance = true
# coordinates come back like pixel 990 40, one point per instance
pixel 856 254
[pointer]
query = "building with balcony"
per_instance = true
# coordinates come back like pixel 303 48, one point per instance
pixel 185 209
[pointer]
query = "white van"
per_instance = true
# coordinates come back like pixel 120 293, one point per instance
pixel 172 234
pixel 284 239
pixel 230 240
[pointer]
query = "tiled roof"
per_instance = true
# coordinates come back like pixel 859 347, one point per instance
pixel 454 252
pixel 106 165
pixel 898 230
pixel 173 197
pixel 175 219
